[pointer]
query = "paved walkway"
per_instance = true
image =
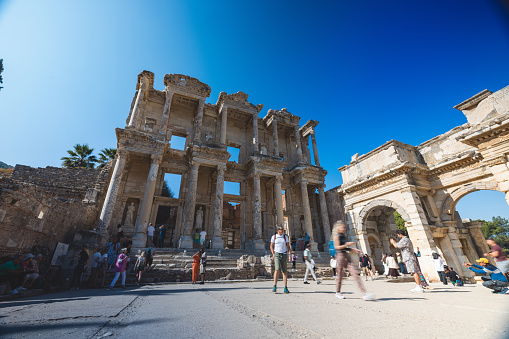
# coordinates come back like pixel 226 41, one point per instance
pixel 251 310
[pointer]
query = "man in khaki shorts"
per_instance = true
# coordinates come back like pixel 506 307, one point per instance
pixel 280 248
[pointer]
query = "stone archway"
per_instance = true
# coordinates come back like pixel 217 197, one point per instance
pixel 364 213
pixel 449 205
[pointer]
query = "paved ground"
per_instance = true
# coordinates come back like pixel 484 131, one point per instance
pixel 251 310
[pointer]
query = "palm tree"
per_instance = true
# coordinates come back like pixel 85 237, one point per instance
pixel 106 155
pixel 80 157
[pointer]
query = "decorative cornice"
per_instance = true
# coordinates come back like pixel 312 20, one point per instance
pixel 145 77
pixel 180 82
pixel 239 101
pixel 473 100
pixel 496 128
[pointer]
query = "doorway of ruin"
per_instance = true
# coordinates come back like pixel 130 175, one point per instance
pixel 231 224
pixel 167 216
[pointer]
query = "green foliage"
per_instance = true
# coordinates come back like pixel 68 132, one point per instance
pixel 400 222
pixel 498 230
pixel 1 70
pixel 167 192
pixel 106 155
pixel 80 157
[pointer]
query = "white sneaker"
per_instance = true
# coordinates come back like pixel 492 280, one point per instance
pixel 369 296
pixel 418 289
pixel 339 295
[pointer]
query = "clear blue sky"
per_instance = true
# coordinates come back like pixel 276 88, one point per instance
pixel 369 71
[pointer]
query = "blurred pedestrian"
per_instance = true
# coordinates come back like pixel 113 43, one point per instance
pixel 120 267
pixel 139 267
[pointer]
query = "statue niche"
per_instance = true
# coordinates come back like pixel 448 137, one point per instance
pixel 130 217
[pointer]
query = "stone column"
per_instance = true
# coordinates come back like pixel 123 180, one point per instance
pixel 199 120
pixel 255 133
pixel 166 111
pixel 224 121
pixel 258 243
pixel 325 217
pixel 279 199
pixel 315 148
pixel 135 114
pixel 217 240
pixel 297 141
pixel 275 137
pixel 140 239
pixel 111 194
pixel 457 247
pixel 187 241
pixel 308 224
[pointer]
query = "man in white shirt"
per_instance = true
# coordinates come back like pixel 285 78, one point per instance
pixel 150 233
pixel 280 248
pixel 203 234
pixel 310 264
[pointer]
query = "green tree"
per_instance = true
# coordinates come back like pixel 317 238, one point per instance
pixel 106 155
pixel 400 222
pixel 1 70
pixel 80 157
pixel 167 192
pixel 498 230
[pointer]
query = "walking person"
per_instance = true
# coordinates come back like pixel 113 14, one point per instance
pixel 342 247
pixel 407 253
pixel 280 247
pixel 203 266
pixel 113 251
pixel 294 261
pixel 364 265
pixel 162 235
pixel 139 267
pixel 385 264
pixel 439 266
pixel 150 233
pixel 120 267
pixel 333 265
pixel 80 267
pixel 150 252
pixel 310 265
pixel 196 265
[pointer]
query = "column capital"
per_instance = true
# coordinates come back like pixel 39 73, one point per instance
pixel 256 175
pixel 279 177
pixel 194 163
pixel 156 158
pixel 121 152
pixel 221 167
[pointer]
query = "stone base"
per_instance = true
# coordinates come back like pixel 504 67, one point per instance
pixel 186 241
pixel 258 245
pixel 217 243
pixel 139 240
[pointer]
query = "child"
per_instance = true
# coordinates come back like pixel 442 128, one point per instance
pixel 294 260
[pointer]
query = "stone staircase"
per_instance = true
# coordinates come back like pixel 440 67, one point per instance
pixel 175 265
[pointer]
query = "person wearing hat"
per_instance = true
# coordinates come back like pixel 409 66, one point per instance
pixel 11 272
pixel 280 247
pixel 495 280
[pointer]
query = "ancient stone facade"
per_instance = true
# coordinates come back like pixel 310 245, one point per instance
pixel 42 206
pixel 424 184
pixel 273 156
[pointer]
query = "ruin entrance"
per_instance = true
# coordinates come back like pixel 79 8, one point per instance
pixel 231 224
pixel 167 216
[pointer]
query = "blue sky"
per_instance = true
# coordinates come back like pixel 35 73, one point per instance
pixel 369 71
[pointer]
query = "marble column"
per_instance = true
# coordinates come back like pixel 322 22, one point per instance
pixel 297 141
pixel 166 111
pixel 308 224
pixel 136 112
pixel 187 241
pixel 258 243
pixel 224 121
pixel 275 138
pixel 217 240
pixel 315 148
pixel 111 194
pixel 325 217
pixel 199 120
pixel 279 199
pixel 140 239
pixel 255 134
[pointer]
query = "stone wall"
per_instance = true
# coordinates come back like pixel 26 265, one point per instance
pixel 42 206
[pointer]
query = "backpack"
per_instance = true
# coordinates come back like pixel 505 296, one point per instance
pixel 332 250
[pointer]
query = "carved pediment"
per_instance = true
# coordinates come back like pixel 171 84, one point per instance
pixel 187 83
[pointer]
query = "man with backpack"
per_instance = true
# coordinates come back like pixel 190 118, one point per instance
pixel 149 253
pixel 280 248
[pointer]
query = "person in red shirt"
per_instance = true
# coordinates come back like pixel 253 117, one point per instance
pixel 500 259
